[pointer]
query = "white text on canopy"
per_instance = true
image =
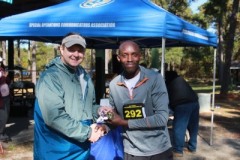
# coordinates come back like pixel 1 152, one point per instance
pixel 79 25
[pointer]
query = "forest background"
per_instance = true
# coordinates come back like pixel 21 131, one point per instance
pixel 222 16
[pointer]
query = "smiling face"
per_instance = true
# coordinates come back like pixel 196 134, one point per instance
pixel 73 55
pixel 129 56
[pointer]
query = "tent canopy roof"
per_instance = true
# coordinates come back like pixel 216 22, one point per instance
pixel 105 24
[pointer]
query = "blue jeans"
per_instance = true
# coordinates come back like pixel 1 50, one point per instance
pixel 186 117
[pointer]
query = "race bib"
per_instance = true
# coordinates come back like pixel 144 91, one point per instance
pixel 133 111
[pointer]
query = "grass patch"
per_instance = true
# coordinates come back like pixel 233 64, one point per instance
pixel 206 86
pixel 206 89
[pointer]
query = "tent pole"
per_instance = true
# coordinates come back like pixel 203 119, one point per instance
pixel 163 58
pixel 11 59
pixel 213 95
pixel 100 74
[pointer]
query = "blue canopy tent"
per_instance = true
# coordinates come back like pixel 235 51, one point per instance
pixel 105 23
pixel 104 27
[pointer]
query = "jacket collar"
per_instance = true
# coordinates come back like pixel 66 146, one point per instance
pixel 143 78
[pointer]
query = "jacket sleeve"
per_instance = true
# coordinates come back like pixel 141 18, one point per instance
pixel 50 95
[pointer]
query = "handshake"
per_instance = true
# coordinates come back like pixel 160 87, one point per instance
pixel 99 129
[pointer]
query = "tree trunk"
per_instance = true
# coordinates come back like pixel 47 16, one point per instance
pixel 29 57
pixel 4 53
pixel 220 59
pixel 229 47
pixel 34 73
pixel 18 54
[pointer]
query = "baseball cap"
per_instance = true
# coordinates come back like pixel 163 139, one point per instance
pixel 74 39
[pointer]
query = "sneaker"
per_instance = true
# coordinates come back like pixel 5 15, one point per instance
pixel 188 151
pixel 176 154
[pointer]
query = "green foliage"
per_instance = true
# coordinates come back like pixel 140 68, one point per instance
pixel 180 8
pixel 88 60
pixel 162 3
pixel 236 52
pixel 198 61
pixel 155 56
pixel 45 53
pixel 191 62
pixel 200 20
pixel 174 56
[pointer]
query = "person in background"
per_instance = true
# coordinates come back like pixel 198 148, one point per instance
pixel 184 103
pixel 65 106
pixel 4 105
pixel 140 105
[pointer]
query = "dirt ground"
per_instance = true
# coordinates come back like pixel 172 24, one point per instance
pixel 226 118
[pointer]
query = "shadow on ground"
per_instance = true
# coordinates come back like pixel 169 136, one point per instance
pixel 20 127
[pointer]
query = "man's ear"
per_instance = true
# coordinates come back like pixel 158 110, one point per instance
pixel 61 48
pixel 118 58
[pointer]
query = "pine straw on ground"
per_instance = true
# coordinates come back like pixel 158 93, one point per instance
pixel 17 152
pixel 223 121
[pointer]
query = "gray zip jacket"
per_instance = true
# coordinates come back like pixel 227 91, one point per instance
pixel 149 135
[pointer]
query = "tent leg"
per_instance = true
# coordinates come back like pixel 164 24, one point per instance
pixel 211 138
pixel 213 95
pixel 163 57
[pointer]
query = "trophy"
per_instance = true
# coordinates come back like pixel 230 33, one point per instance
pixel 104 114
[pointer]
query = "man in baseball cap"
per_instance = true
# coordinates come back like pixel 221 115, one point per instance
pixel 65 106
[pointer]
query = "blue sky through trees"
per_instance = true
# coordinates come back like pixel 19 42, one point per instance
pixel 194 5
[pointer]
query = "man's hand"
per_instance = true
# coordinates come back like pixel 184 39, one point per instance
pixel 116 119
pixel 97 132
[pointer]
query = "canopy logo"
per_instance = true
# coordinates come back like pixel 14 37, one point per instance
pixel 95 3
